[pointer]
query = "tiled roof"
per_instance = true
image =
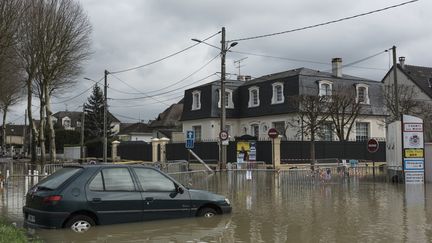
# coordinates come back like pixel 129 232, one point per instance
pixel 422 76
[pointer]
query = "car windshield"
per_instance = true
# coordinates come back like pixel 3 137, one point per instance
pixel 55 180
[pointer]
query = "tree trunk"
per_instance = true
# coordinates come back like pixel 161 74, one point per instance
pixel 34 133
pixel 42 132
pixel 3 142
pixel 51 132
pixel 312 150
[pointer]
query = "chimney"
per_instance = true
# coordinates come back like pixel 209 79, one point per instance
pixel 337 67
pixel 402 62
pixel 244 78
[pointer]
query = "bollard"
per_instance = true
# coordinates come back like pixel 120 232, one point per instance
pixel 29 172
pixel 36 177
pixel 7 174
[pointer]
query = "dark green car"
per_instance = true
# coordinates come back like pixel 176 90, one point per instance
pixel 79 197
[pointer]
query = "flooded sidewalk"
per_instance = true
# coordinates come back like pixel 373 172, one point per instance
pixel 269 206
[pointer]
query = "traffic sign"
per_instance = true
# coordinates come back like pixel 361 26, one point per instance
pixel 273 133
pixel 223 135
pixel 190 135
pixel 372 145
pixel 190 143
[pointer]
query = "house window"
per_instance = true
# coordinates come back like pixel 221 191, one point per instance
pixel 66 122
pixel 78 124
pixel 278 96
pixel 255 130
pixel 196 100
pixel 362 131
pixel 228 99
pixel 327 131
pixel 244 130
pixel 280 127
pixel 254 97
pixel 362 94
pixel 325 88
pixel 198 133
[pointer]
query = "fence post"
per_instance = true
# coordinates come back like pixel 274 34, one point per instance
pixel 276 152
pixel 163 143
pixel 114 150
pixel 155 143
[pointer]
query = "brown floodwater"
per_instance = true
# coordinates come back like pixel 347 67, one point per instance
pixel 270 207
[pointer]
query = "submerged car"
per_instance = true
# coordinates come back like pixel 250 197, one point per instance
pixel 79 197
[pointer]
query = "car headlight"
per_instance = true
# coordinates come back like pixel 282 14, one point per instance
pixel 227 201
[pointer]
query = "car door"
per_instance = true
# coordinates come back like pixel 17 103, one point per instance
pixel 161 198
pixel 113 195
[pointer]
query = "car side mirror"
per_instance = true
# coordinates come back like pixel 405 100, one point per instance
pixel 180 189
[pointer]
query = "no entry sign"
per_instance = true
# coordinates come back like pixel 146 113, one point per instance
pixel 273 133
pixel 372 145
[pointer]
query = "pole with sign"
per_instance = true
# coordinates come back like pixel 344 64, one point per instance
pixel 413 149
pixel 372 147
pixel 273 133
pixel 190 139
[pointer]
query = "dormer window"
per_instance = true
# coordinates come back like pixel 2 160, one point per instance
pixel 362 91
pixel 196 100
pixel 278 95
pixel 254 97
pixel 325 88
pixel 228 99
pixel 66 122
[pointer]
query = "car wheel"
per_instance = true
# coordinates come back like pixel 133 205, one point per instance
pixel 80 223
pixel 207 213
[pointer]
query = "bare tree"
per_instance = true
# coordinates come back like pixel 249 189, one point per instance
pixel 10 14
pixel 313 114
pixel 57 41
pixel 408 102
pixel 343 110
pixel 10 90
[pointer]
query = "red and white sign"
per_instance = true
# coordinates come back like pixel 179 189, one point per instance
pixel 223 135
pixel 273 133
pixel 372 145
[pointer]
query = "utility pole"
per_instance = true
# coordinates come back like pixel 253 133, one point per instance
pixel 395 84
pixel 105 117
pixel 82 133
pixel 223 152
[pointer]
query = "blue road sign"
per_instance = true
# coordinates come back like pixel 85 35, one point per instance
pixel 189 143
pixel 190 135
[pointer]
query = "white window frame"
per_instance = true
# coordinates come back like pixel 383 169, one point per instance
pixel 251 103
pixel 228 102
pixel 275 97
pixel 68 124
pixel 321 91
pixel 366 98
pixel 362 137
pixel 198 132
pixel 253 126
pixel 196 102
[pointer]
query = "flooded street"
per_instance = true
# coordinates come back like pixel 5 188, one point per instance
pixel 268 207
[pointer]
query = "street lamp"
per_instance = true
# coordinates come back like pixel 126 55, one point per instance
pixel 224 49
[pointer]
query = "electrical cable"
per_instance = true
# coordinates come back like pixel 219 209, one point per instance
pixel 163 58
pixel 76 96
pixel 324 23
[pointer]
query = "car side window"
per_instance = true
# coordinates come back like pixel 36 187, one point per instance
pixel 97 183
pixel 152 180
pixel 117 179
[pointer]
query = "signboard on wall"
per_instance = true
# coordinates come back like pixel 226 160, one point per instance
pixel 413 149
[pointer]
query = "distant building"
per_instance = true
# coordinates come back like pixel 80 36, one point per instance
pixel 168 123
pixel 14 134
pixel 135 132
pixel 71 120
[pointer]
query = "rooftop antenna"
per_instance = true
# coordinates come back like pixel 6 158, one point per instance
pixel 238 62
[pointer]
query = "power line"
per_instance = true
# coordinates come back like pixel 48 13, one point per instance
pixel 78 95
pixel 163 58
pixel 300 60
pixel 166 92
pixel 325 23
pixel 135 106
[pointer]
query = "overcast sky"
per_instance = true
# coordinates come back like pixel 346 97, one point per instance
pixel 131 33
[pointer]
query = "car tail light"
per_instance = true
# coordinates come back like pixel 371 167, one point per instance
pixel 52 200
